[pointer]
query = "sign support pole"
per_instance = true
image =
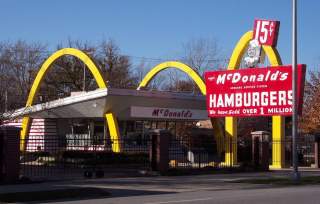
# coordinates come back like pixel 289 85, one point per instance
pixel 296 175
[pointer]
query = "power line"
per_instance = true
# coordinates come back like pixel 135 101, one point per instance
pixel 143 58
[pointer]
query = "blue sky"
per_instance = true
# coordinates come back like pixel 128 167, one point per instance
pixel 157 29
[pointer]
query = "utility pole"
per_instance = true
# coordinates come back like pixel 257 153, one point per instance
pixel 84 78
pixel 296 175
pixel 6 100
pixel 88 52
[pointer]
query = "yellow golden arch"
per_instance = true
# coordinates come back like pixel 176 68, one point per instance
pixel 218 132
pixel 114 132
pixel 277 121
pixel 178 65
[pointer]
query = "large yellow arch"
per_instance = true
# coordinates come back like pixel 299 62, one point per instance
pixel 178 65
pixel 65 51
pixel 277 121
pixel 40 76
pixel 218 131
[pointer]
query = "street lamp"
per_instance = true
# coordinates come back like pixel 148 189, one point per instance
pixel 296 175
pixel 89 52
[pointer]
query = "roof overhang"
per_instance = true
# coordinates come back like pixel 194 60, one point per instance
pixel 95 104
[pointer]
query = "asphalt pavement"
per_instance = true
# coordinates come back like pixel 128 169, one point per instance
pixel 214 188
pixel 284 195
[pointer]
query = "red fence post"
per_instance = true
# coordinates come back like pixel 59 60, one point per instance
pixel 159 153
pixel 260 149
pixel 9 153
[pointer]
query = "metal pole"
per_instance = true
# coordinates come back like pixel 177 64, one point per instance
pixel 84 78
pixel 296 175
pixel 6 101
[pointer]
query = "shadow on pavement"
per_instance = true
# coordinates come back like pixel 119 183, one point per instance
pixel 72 194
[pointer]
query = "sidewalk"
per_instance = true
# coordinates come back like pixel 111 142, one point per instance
pixel 160 183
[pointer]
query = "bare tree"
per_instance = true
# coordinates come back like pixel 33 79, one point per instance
pixel 141 71
pixel 18 61
pixel 180 86
pixel 116 67
pixel 201 54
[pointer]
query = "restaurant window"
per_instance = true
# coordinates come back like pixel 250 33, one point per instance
pixel 98 134
pixel 161 125
pixel 154 125
pixel 172 128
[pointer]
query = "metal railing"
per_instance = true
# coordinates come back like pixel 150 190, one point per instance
pixel 186 153
pixel 65 157
pixel 70 157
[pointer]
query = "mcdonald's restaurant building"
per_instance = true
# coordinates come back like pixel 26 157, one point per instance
pixel 88 119
pixel 80 117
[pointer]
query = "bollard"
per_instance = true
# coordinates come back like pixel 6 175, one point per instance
pixel 316 150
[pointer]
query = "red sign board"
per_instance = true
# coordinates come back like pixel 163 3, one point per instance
pixel 266 32
pixel 253 91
